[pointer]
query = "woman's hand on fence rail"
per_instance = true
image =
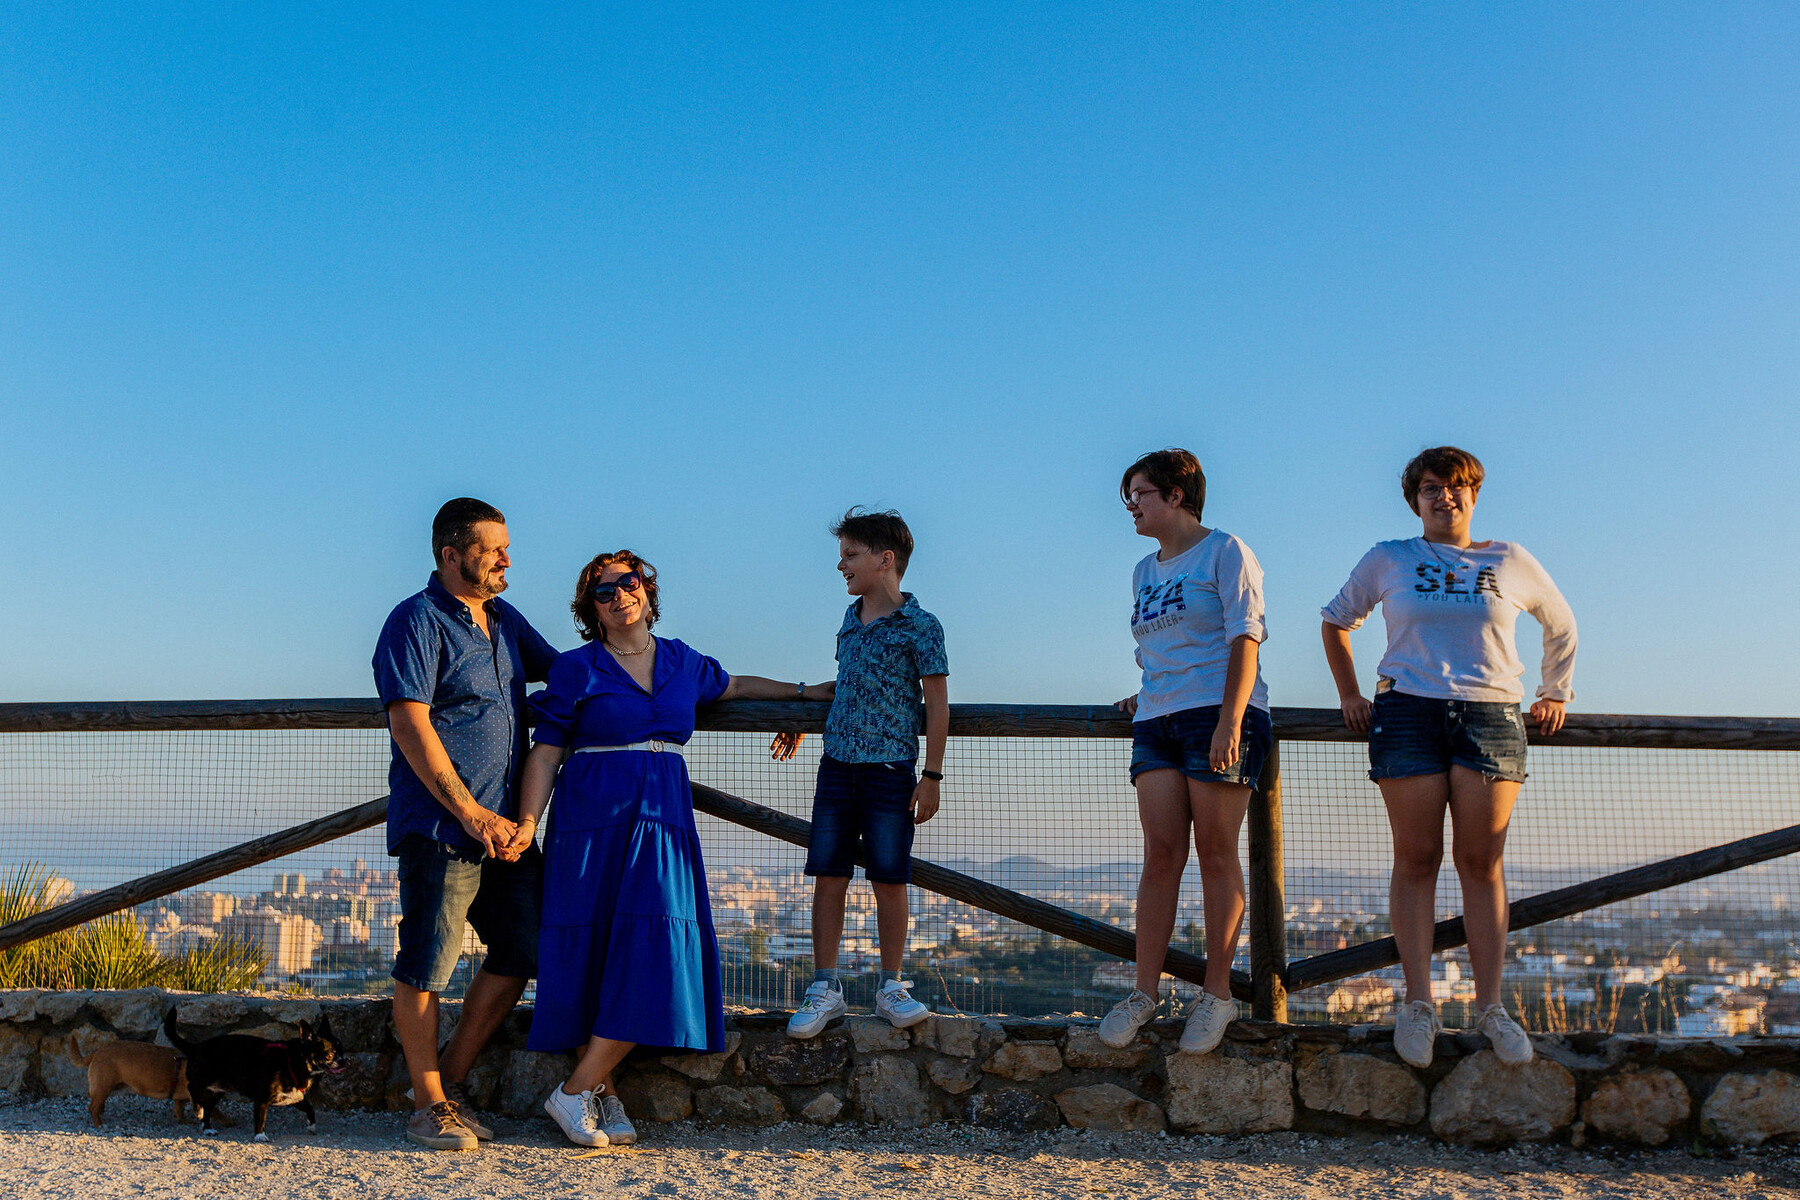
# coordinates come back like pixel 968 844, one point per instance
pixel 1549 715
pixel 783 747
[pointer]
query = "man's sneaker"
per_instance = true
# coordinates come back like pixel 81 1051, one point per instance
pixel 823 1004
pixel 1510 1043
pixel 895 1002
pixel 458 1094
pixel 1205 1027
pixel 1416 1028
pixel 614 1123
pixel 439 1128
pixel 1126 1018
pixel 579 1116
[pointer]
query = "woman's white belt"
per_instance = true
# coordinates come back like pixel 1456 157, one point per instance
pixel 655 745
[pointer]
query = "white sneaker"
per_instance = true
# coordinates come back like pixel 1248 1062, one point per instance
pixel 614 1123
pixel 1205 1027
pixel 1511 1044
pixel 823 1004
pixel 1416 1027
pixel 895 1002
pixel 579 1116
pixel 1126 1018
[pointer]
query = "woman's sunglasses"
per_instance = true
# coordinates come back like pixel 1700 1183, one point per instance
pixel 630 581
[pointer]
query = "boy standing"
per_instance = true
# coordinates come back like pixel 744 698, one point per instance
pixel 890 655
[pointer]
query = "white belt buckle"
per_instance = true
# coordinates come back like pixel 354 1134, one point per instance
pixel 657 745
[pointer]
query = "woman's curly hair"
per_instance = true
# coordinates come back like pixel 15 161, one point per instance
pixel 587 609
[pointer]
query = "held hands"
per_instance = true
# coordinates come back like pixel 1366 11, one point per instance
pixel 1128 705
pixel 1356 713
pixel 492 830
pixel 524 833
pixel 1549 716
pixel 924 801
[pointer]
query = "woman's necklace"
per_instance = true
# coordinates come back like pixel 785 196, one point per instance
pixel 648 642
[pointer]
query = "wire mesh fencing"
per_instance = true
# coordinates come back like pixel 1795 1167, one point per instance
pixel 1052 817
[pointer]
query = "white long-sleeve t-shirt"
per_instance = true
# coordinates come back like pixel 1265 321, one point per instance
pixel 1185 614
pixel 1451 616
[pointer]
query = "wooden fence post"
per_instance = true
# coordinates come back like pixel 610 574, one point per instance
pixel 1267 900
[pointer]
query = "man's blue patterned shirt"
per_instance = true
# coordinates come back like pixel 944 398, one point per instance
pixel 877 714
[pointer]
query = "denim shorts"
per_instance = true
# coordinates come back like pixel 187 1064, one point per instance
pixel 441 887
pixel 1182 741
pixel 866 806
pixel 1414 735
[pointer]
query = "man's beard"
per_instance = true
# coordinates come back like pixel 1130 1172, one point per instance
pixel 484 586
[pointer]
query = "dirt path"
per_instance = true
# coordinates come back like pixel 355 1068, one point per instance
pixel 47 1151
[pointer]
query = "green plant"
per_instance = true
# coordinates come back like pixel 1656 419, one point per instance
pixel 112 951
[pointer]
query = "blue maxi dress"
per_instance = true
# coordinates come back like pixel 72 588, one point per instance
pixel 626 949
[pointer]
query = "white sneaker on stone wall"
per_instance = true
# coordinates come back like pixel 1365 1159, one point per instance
pixel 579 1116
pixel 1511 1044
pixel 822 1005
pixel 1416 1027
pixel 1128 1016
pixel 895 1002
pixel 614 1123
pixel 1206 1025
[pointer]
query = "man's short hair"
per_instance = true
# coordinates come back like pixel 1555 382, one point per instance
pixel 455 524
pixel 878 531
pixel 1171 468
pixel 1448 463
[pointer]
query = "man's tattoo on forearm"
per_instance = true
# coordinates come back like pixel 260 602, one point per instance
pixel 452 788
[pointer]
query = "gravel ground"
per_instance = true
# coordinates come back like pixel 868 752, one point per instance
pixel 47 1150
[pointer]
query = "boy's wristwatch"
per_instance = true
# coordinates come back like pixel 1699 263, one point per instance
pixel 938 776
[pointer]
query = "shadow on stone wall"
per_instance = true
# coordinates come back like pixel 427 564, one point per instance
pixel 1014 1074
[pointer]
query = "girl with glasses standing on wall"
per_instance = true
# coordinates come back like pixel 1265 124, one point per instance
pixel 626 953
pixel 1200 732
pixel 1445 729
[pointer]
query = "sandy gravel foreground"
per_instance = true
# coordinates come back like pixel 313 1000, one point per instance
pixel 47 1151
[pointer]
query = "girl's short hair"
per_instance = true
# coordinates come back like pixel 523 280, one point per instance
pixel 587 609
pixel 1171 468
pixel 1448 463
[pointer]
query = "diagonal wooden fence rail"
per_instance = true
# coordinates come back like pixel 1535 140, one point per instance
pixel 1271 976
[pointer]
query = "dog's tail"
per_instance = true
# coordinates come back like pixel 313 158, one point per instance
pixel 75 1055
pixel 175 1039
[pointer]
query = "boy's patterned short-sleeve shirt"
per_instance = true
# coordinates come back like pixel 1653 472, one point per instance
pixel 876 713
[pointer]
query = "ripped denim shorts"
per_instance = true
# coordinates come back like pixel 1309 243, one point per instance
pixel 1415 735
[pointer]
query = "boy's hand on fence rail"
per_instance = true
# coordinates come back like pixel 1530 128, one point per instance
pixel 1128 705
pixel 783 747
pixel 1549 716
pixel 1357 710
pixel 924 801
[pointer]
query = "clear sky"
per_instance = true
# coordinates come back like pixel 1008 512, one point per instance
pixel 277 280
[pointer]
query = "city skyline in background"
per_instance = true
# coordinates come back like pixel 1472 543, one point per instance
pixel 274 284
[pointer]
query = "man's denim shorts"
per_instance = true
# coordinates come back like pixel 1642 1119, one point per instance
pixel 866 805
pixel 1182 741
pixel 441 887
pixel 1414 735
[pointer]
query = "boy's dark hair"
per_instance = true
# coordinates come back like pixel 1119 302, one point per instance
pixel 586 608
pixel 1448 463
pixel 455 524
pixel 1171 468
pixel 878 531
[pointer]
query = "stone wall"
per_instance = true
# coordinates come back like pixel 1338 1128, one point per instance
pixel 1017 1074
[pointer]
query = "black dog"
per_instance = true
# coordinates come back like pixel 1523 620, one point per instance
pixel 269 1073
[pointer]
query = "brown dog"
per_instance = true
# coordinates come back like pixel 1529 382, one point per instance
pixel 149 1070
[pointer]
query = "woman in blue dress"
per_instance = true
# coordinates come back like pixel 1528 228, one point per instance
pixel 626 955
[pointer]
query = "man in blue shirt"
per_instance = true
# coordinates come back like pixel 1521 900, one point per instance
pixel 451 668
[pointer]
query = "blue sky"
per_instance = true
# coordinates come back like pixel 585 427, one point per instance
pixel 693 279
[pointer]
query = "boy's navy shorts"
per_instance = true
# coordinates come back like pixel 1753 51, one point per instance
pixel 1416 735
pixel 865 806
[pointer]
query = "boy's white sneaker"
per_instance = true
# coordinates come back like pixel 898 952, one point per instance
pixel 1509 1040
pixel 894 1001
pixel 1206 1025
pixel 579 1116
pixel 1127 1017
pixel 1416 1027
pixel 822 1005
